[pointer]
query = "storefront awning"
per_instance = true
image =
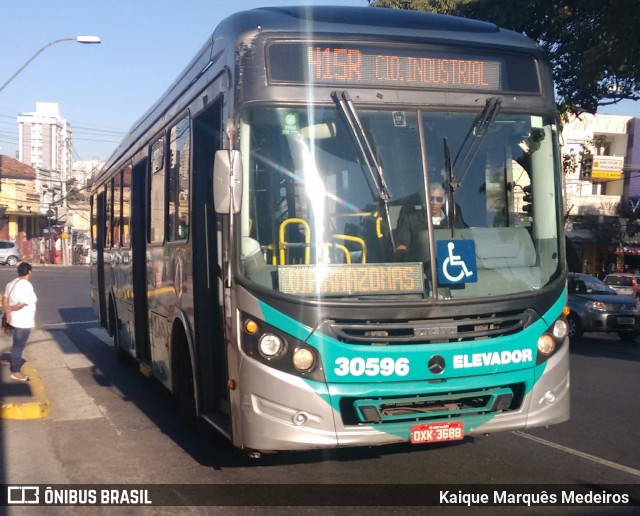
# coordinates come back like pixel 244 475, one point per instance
pixel 633 250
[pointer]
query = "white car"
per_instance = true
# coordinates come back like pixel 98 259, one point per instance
pixel 9 253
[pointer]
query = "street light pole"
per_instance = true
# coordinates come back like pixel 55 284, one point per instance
pixel 87 40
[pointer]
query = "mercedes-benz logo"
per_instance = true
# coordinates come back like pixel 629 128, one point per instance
pixel 436 364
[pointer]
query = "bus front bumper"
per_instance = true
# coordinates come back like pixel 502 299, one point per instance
pixel 283 412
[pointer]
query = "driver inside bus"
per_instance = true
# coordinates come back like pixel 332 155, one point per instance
pixel 412 219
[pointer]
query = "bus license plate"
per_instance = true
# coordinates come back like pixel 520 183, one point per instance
pixel 437 432
pixel 626 320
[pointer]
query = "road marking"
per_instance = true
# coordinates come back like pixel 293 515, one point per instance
pixel 592 458
pixel 101 333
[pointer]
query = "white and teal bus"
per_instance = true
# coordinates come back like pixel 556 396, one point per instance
pixel 250 245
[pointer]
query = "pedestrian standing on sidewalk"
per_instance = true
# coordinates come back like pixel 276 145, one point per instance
pixel 19 303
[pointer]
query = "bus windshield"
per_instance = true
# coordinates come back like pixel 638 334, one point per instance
pixel 458 218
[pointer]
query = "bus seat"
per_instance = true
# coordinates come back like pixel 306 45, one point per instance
pixel 252 257
pixel 418 251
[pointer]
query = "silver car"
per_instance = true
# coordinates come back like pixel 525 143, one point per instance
pixel 624 283
pixel 596 307
pixel 9 253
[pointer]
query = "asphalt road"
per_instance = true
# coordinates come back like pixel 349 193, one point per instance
pixel 123 429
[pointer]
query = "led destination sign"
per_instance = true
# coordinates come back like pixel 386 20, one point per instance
pixel 364 279
pixel 368 65
pixel 336 65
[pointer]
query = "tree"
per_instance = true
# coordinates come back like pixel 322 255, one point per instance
pixel 434 6
pixel 626 211
pixel 593 45
pixel 73 192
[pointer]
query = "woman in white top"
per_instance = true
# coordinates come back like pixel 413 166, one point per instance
pixel 19 303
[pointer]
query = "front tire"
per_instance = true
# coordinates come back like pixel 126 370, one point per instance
pixel 575 328
pixel 12 261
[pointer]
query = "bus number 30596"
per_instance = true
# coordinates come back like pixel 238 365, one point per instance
pixel 372 366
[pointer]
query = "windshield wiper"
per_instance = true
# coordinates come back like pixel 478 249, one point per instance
pixel 472 142
pixel 452 187
pixel 348 110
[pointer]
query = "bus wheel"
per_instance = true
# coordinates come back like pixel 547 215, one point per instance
pixel 183 392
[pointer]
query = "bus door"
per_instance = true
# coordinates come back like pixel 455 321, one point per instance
pixel 138 251
pixel 208 320
pixel 100 298
pixel 157 278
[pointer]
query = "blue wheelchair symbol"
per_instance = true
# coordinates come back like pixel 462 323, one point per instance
pixel 456 261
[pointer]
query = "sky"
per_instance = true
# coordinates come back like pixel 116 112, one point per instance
pixel 103 89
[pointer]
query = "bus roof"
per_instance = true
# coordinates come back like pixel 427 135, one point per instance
pixel 356 20
pixel 368 21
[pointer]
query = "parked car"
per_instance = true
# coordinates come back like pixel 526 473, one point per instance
pixel 9 253
pixel 624 283
pixel 596 307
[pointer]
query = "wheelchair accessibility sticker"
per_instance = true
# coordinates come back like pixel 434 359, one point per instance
pixel 456 261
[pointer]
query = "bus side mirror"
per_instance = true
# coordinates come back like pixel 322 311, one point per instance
pixel 227 181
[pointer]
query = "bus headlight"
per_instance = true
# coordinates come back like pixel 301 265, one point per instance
pixel 560 329
pixel 546 344
pixel 270 345
pixel 279 350
pixel 552 339
pixel 303 359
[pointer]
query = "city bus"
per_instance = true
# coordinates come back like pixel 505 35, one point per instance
pixel 264 242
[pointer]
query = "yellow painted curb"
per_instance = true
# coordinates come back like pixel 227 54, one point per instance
pixel 36 409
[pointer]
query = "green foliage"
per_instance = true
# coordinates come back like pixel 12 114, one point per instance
pixel 626 211
pixel 593 45
pixel 73 192
pixel 434 6
pixel 569 164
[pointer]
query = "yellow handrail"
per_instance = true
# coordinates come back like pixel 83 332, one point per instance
pixel 282 243
pixel 357 240
pixel 343 248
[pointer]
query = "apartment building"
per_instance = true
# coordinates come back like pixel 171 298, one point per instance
pixel 45 142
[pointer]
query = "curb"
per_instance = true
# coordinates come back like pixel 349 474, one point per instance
pixel 37 409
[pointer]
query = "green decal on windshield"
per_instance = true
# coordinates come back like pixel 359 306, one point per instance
pixel 290 123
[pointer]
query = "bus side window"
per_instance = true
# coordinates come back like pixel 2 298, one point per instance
pixel 157 193
pixel 116 219
pixel 126 206
pixel 178 201
pixel 108 213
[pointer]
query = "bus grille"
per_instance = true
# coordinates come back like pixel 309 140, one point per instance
pixel 454 329
pixel 427 407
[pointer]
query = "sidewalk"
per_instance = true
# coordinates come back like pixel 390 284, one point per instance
pixel 50 358
pixel 21 400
